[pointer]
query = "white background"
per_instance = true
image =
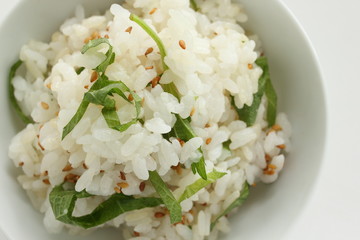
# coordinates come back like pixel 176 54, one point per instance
pixel 333 26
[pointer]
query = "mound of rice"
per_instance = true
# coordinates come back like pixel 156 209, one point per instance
pixel 210 58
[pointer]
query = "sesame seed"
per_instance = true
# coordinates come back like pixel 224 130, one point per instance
pixel 102 171
pixel 268 158
pixel 41 147
pixel 177 168
pixel 86 86
pixel 106 36
pixel 46 181
pixel 155 81
pixel 208 141
pixel 207 125
pixel 129 29
pixel 192 112
pixel 272 166
pixel 250 66
pixel 94 77
pixel 253 185
pixel 48 85
pixel 67 168
pixel 269 172
pixel 281 146
pixel 149 68
pixel 142 186
pixel 21 164
pixel 159 215
pixel 44 105
pixel 152 11
pixel 130 97
pixel 45 173
pixel 182 44
pixel 276 127
pixel 182 142
pixel 136 234
pixel 72 178
pixel 117 190
pixel 148 51
pixel 85 166
pixel 123 176
pixel 123 185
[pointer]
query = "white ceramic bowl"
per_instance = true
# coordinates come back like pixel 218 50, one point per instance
pixel 270 210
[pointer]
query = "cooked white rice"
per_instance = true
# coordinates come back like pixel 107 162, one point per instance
pixel 215 63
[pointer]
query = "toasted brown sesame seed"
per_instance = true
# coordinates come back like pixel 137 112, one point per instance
pixel 148 51
pixel 94 77
pixel 142 186
pixel 21 164
pixel 253 185
pixel 152 11
pixel 45 173
pixel 281 146
pixel 149 68
pixel 130 97
pixel 136 234
pixel 268 158
pixel 129 29
pixel 250 66
pixel 272 166
pixel 207 125
pixel 36 175
pixel 182 142
pixel 208 141
pixel 85 166
pixel 41 147
pixel 67 168
pixel 123 185
pixel 269 172
pixel 117 190
pixel 192 112
pixel 182 44
pixel 177 168
pixel 276 127
pixel 159 215
pixel 48 85
pixel 86 86
pixel 46 181
pixel 155 81
pixel 71 178
pixel 123 176
pixel 44 105
pixel 102 171
pixel 106 36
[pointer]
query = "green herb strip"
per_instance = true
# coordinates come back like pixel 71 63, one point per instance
pixel 110 55
pixel 168 198
pixel 200 184
pixel 237 203
pixel 194 5
pixel 153 35
pixel 248 113
pixel 101 94
pixel 269 92
pixel 12 97
pixel 63 203
pixel 182 128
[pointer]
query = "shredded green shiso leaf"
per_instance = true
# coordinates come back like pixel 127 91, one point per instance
pixel 248 114
pixel 237 203
pixel 13 101
pixel 63 203
pixel 168 198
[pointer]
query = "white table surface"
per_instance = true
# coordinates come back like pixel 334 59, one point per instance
pixel 333 26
